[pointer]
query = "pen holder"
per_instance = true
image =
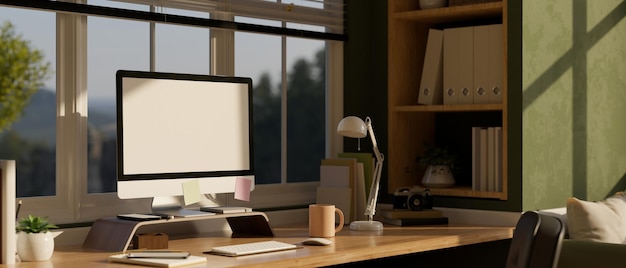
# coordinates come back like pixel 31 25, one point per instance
pixel 150 241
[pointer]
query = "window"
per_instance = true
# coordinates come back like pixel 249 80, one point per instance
pixel 108 51
pixel 266 76
pixel 292 111
pixel 306 113
pixel 31 140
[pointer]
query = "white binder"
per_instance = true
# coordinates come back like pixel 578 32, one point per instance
pixel 450 65
pixel 431 88
pixel 466 65
pixel 481 64
pixel 495 63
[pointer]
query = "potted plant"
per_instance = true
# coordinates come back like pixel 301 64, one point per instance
pixel 35 242
pixel 439 163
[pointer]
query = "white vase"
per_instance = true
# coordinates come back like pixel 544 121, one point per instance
pixel 427 4
pixel 438 176
pixel 35 246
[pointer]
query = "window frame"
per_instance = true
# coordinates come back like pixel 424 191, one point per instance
pixel 72 203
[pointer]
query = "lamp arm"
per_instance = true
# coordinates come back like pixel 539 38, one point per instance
pixel 370 210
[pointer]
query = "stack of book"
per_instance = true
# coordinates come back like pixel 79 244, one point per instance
pixel 487 159
pixel 345 182
pixel 405 217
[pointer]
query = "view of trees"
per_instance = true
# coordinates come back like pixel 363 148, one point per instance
pixel 305 123
pixel 22 72
pixel 36 157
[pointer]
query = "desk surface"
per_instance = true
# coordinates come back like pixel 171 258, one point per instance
pixel 348 246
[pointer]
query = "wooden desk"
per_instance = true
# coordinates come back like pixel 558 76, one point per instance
pixel 348 246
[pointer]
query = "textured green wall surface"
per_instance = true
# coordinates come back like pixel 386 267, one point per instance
pixel 574 100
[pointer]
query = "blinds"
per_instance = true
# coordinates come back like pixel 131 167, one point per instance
pixel 327 15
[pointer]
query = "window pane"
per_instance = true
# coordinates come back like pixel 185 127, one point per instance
pixel 259 57
pixel 31 139
pixel 126 47
pixel 181 49
pixel 306 94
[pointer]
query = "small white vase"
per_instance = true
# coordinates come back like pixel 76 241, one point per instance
pixel 438 176
pixel 427 4
pixel 35 246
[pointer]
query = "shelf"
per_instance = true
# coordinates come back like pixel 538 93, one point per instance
pixel 461 191
pixel 452 14
pixel 449 108
pixel 411 127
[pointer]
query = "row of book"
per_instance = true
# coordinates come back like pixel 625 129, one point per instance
pixel 487 159
pixel 463 66
pixel 345 182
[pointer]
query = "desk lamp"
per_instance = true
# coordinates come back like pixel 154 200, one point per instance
pixel 354 127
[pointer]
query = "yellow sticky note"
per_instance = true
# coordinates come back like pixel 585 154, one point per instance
pixel 191 192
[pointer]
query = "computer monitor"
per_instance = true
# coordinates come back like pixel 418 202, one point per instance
pixel 176 130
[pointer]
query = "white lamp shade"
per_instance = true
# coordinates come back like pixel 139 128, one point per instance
pixel 352 127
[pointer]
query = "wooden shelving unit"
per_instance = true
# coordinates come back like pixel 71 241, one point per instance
pixel 411 126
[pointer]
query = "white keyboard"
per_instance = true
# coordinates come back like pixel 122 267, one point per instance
pixel 252 248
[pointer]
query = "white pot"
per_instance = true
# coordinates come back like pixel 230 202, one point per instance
pixel 438 176
pixel 426 4
pixel 35 246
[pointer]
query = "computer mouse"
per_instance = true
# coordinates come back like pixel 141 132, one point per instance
pixel 316 241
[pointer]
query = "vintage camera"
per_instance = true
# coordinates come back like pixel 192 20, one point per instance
pixel 415 198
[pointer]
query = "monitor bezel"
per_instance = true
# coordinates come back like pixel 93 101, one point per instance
pixel 224 178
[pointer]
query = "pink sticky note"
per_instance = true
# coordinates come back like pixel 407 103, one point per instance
pixel 242 189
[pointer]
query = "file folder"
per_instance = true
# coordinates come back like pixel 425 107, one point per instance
pixel 450 65
pixel 431 88
pixel 482 81
pixel 495 63
pixel 466 65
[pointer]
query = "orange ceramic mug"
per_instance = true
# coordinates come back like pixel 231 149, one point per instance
pixel 322 220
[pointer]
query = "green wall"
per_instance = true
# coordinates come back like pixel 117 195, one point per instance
pixel 365 73
pixel 574 96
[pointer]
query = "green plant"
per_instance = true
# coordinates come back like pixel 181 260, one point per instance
pixel 437 156
pixel 23 70
pixel 33 224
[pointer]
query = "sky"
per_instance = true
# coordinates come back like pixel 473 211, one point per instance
pixel 121 44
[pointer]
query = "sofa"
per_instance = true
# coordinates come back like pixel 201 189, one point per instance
pixel 595 232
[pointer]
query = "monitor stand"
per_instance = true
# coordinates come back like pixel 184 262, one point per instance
pixel 168 207
pixel 113 234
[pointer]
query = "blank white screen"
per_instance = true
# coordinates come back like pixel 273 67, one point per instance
pixel 178 126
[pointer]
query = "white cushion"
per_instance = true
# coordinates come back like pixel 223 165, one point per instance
pixel 602 221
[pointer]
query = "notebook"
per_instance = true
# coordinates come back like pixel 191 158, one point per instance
pixel 158 262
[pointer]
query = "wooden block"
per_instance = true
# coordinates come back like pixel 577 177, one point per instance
pixel 150 241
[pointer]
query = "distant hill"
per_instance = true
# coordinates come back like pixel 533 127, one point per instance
pixel 38 122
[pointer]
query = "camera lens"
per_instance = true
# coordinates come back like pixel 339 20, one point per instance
pixel 416 202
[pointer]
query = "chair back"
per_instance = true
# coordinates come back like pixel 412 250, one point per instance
pixel 548 240
pixel 536 241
